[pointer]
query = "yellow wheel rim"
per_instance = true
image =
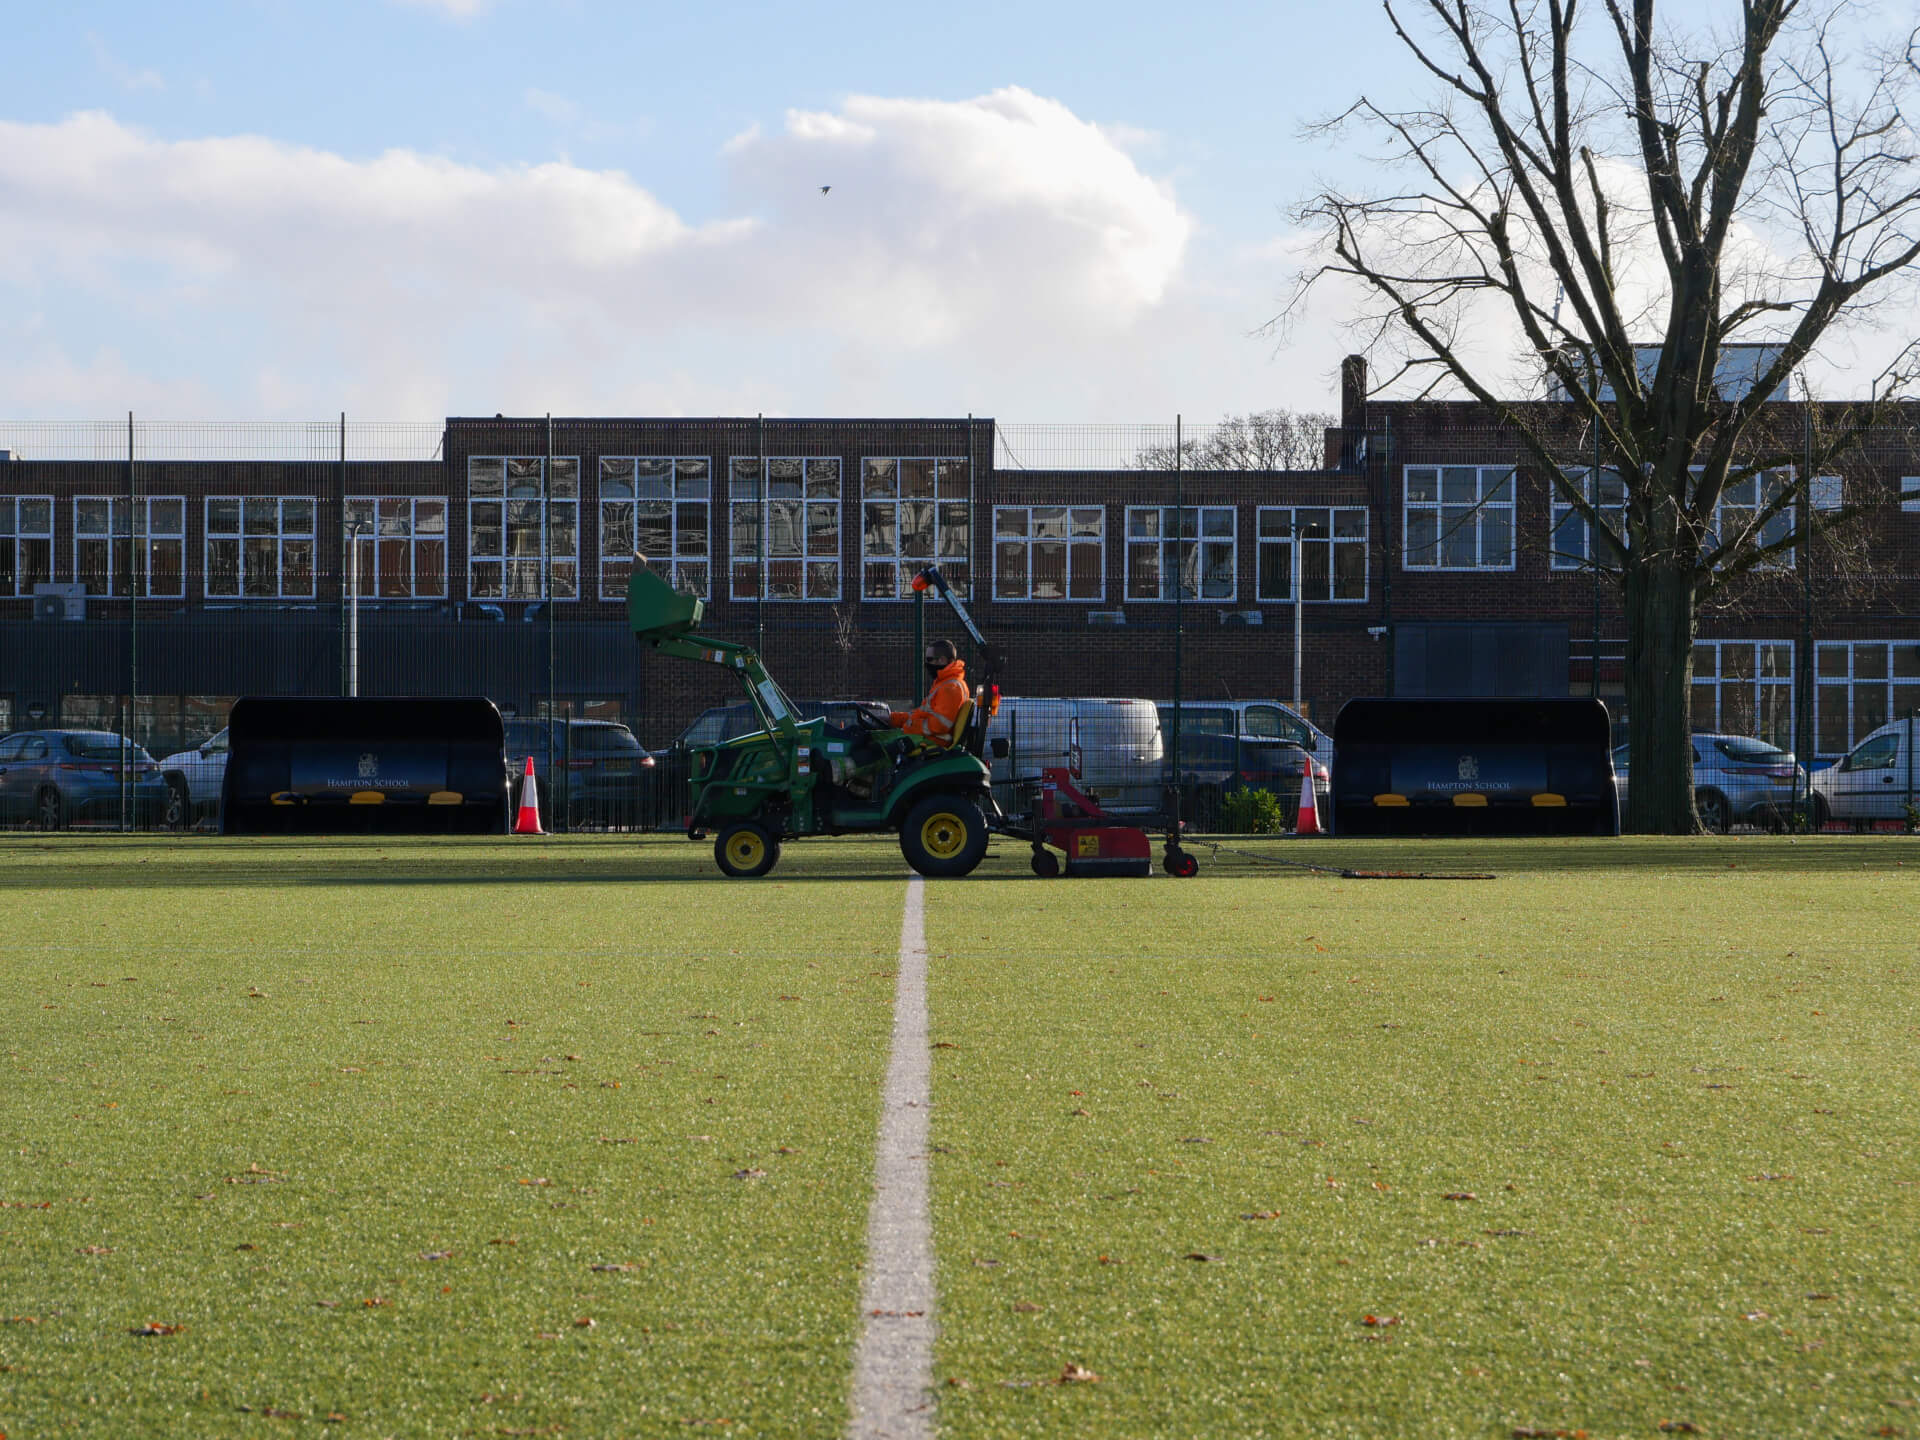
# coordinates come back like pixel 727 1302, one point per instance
pixel 943 836
pixel 745 851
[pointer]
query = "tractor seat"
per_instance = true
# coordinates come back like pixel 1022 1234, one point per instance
pixel 956 738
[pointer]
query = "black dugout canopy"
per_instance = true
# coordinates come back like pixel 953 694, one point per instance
pixel 1473 767
pixel 374 766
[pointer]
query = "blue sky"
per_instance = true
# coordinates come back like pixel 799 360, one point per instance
pixel 407 208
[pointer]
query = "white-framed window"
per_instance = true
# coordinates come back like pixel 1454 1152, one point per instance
pixel 1571 547
pixel 1827 492
pixel 1744 687
pixel 401 544
pixel 1858 686
pixel 785 513
pixel 112 533
pixel 1197 543
pixel 26 543
pixel 1050 552
pixel 1910 493
pixel 1458 517
pixel 1331 542
pixel 259 547
pixel 660 507
pixel 515 527
pixel 1739 510
pixel 913 512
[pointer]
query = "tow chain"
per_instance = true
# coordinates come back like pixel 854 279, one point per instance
pixel 1341 871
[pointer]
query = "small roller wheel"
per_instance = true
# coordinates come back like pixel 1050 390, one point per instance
pixel 1180 865
pixel 745 850
pixel 1045 864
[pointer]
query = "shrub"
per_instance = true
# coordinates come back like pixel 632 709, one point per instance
pixel 1252 812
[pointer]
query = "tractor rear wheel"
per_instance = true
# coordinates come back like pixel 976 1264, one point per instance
pixel 944 835
pixel 745 850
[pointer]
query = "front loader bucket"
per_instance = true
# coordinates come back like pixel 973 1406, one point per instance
pixel 382 767
pixel 655 610
pixel 1473 767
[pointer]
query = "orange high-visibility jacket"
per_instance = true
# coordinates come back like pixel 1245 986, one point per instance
pixel 934 719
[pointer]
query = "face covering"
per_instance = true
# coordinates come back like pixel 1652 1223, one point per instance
pixel 934 667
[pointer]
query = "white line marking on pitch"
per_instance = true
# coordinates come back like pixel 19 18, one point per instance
pixel 893 1363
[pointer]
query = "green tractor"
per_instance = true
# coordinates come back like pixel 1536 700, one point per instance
pixel 797 777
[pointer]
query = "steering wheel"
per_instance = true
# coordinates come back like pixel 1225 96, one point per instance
pixel 871 715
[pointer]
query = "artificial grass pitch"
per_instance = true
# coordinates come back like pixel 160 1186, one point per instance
pixel 361 1132
pixel 1618 1144
pixel 426 1138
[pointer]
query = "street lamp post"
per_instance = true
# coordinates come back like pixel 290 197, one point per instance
pixel 354 527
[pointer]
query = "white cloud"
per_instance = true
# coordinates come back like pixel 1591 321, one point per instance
pixel 126 76
pixel 993 253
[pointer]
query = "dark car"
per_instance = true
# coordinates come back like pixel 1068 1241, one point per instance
pixel 55 778
pixel 1213 767
pixel 607 777
pixel 729 722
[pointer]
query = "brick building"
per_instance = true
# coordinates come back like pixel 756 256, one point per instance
pixel 1432 559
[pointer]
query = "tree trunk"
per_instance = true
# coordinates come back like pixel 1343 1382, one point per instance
pixel 1659 683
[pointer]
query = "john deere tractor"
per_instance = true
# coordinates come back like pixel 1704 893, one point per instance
pixel 796 777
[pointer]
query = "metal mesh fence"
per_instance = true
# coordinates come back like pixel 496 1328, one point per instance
pixel 1257 574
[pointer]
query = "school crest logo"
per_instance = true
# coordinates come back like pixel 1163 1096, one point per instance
pixel 1469 768
pixel 369 766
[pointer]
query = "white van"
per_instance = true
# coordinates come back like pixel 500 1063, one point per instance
pixel 1876 781
pixel 1264 719
pixel 1113 746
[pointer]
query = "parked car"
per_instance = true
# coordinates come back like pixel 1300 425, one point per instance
pixel 1112 744
pixel 730 722
pixel 1875 781
pixel 1737 780
pixel 54 778
pixel 607 777
pixel 1262 719
pixel 1212 767
pixel 193 781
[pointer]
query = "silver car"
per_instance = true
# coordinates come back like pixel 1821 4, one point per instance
pixel 1877 780
pixel 193 781
pixel 1737 780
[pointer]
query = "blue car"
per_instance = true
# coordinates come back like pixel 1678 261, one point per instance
pixel 55 778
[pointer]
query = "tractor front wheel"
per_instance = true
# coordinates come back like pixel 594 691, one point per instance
pixel 945 835
pixel 745 850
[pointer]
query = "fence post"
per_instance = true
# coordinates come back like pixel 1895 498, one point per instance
pixel 555 791
pixel 134 529
pixel 1179 615
pixel 915 680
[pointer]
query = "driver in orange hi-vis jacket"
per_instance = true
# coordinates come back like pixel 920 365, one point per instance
pixel 934 718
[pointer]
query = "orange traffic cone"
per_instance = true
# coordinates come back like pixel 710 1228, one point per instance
pixel 528 822
pixel 1308 820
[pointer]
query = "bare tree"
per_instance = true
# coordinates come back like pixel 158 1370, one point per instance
pixel 1262 440
pixel 1630 204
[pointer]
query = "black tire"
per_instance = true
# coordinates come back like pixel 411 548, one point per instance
pixel 1715 815
pixel 49 810
pixel 1045 864
pixel 1181 865
pixel 944 836
pixel 179 812
pixel 745 850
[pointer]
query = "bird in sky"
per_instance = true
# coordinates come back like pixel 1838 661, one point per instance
pixel 825 188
